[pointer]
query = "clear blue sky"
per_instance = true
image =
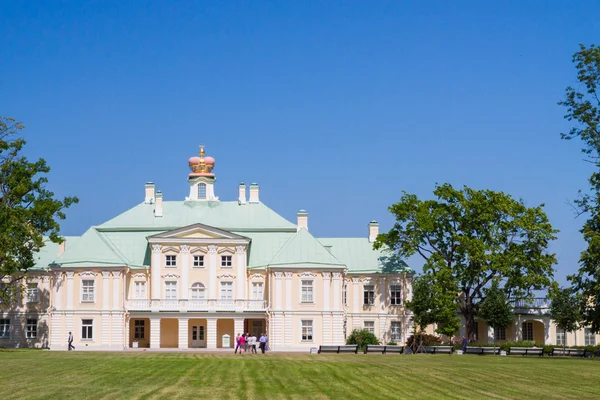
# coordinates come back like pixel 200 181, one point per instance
pixel 334 107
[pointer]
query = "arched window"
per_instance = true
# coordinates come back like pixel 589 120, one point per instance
pixel 197 291
pixel 202 190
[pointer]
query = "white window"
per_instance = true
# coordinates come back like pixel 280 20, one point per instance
pixel 307 330
pixel 589 337
pixel 139 328
pixel 198 261
pixel 87 291
pixel 226 261
pixel 527 330
pixel 395 295
pixel 307 291
pixel 33 293
pixel 257 291
pixel 345 295
pixel 227 290
pixel 370 326
pixel 4 328
pixel 396 331
pixel 369 295
pixel 171 261
pixel 202 190
pixel 197 291
pixel 499 333
pixel 31 329
pixel 139 290
pixel 171 290
pixel 561 339
pixel 87 329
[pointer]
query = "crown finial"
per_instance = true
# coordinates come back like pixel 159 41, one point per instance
pixel 201 166
pixel 201 151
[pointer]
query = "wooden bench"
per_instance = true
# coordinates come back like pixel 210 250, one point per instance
pixel 384 349
pixel 567 352
pixel 482 350
pixel 526 351
pixel 352 348
pixel 437 349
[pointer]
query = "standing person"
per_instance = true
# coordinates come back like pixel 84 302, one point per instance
pixel 70 340
pixel 253 344
pixel 266 342
pixel 247 342
pixel 262 343
pixel 242 343
pixel 237 344
pixel 464 344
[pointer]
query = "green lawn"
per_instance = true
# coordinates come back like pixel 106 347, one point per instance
pixel 27 374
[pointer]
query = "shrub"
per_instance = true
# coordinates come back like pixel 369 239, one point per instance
pixel 362 338
pixel 428 340
pixel 390 343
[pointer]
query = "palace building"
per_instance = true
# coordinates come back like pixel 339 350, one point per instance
pixel 196 272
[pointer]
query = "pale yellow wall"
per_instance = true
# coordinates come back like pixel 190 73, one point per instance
pixel 44 289
pixel 225 326
pixel 169 332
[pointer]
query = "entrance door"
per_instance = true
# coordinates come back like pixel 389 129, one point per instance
pixel 257 328
pixel 198 338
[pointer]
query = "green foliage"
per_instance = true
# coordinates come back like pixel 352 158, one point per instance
pixel 362 338
pixel 428 340
pixel 390 343
pixel 472 237
pixel 28 210
pixel 433 302
pixel 565 308
pixel 583 108
pixel 495 308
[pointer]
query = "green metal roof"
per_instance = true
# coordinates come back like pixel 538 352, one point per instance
pixel 90 248
pixel 264 246
pixel 226 215
pixel 301 249
pixel 358 254
pixel 49 252
pixel 131 245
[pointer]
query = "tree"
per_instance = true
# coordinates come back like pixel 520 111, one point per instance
pixel 433 303
pixel 28 211
pixel 565 309
pixel 362 338
pixel 583 108
pixel 472 238
pixel 495 309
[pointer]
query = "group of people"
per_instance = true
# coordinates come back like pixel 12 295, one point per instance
pixel 245 343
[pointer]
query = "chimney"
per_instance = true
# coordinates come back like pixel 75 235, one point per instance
pixel 253 193
pixel 158 210
pixel 61 247
pixel 373 231
pixel 302 220
pixel 242 193
pixel 150 189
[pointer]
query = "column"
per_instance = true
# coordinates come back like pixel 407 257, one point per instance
pixel 337 286
pixel 183 333
pixel 105 289
pixel 240 252
pixel 154 332
pixel 238 327
pixel 212 275
pixel 127 333
pixel 116 280
pixel 70 275
pixel 355 293
pixel 382 295
pixel 185 285
pixel 58 291
pixel 326 287
pixel 155 270
pixel 211 333
pixel 288 290
pixel 383 329
pixel 278 290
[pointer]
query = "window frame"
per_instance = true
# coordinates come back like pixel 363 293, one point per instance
pixel 524 330
pixel 561 337
pixel 307 296
pixel 31 328
pixel 202 186
pixel 369 328
pixel 5 328
pixel 170 260
pixel 345 294
pixel 137 293
pixel 88 292
pixel 258 291
pixel 33 293
pixel 396 295
pixel 226 261
pixel 589 337
pixel 369 295
pixel 307 333
pixel 398 325
pixel 87 329
pixel 196 288
pixel 171 287
pixel 198 261
pixel 223 285
pixel 499 333
pixel 139 329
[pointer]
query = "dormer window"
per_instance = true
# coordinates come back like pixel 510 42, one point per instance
pixel 202 191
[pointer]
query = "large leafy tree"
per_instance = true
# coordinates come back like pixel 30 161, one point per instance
pixel 495 309
pixel 583 109
pixel 565 309
pixel 474 237
pixel 28 211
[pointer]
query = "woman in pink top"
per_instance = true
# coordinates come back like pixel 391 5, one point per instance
pixel 241 344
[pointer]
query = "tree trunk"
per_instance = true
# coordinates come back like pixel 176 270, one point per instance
pixel 469 323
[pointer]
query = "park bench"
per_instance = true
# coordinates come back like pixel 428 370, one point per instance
pixel 353 348
pixel 526 351
pixel 482 350
pixel 437 349
pixel 384 349
pixel 567 352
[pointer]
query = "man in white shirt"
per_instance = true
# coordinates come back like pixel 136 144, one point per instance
pixel 253 344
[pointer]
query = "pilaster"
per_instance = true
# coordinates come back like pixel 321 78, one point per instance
pixel 117 294
pixel 70 275
pixel 212 275
pixel 240 252
pixel 185 259
pixel 288 290
pixel 326 288
pixel 183 333
pixel 356 295
pixel 105 290
pixel 105 330
pixel 58 291
pixel 211 333
pixel 155 270
pixel 155 332
pixel 337 289
pixel 327 340
pixel 383 330
pixel 118 336
pixel 382 294
pixel 238 327
pixel 278 290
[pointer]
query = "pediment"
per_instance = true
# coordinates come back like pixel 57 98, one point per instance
pixel 198 233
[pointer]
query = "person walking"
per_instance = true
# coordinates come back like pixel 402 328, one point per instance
pixel 70 340
pixel 237 344
pixel 242 343
pixel 253 344
pixel 262 342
